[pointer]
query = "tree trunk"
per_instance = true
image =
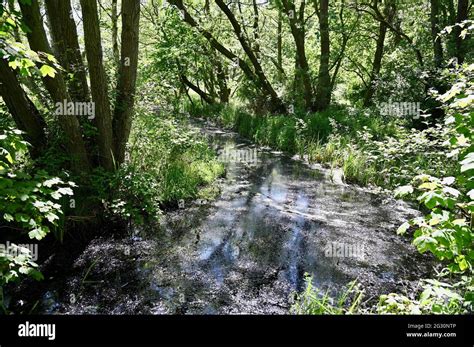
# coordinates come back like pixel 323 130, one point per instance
pixel 302 77
pixel 115 45
pixel 463 9
pixel 377 64
pixel 224 91
pixel 66 44
pixel 437 45
pixel 256 35
pixel 222 49
pixel 99 83
pixel 323 89
pixel 56 87
pixel 22 109
pixel 275 103
pixel 202 94
pixel 379 50
pixel 279 46
pixel 127 77
pixel 396 29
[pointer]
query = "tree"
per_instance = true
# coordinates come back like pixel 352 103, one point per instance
pixel 323 89
pixel 66 47
pixel 389 12
pixel 462 13
pixel 302 73
pixel 22 109
pixel 435 30
pixel 56 87
pixel 115 46
pixel 374 11
pixel 261 79
pixel 253 76
pixel 99 83
pixel 127 77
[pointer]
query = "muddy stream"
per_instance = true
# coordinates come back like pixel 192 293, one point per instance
pixel 247 251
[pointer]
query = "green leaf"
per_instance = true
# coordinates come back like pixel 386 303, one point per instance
pixel 24 197
pixel 8 217
pixel 21 217
pixel 38 233
pixel 51 217
pixel 14 64
pixel 428 185
pixel 403 228
pixel 425 243
pixel 51 58
pixel 466 167
pixel 403 190
pixel 470 194
pixel 35 274
pixel 49 183
pixel 461 260
pixel 47 70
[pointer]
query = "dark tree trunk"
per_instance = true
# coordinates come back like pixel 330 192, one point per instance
pixel 379 50
pixel 463 9
pixel 115 45
pixel 279 46
pixel 256 35
pixel 202 94
pixel 377 64
pixel 127 76
pixel 98 78
pixel 66 44
pixel 435 30
pixel 212 40
pixel 396 29
pixel 323 89
pixel 224 91
pixel 302 77
pixel 22 109
pixel 56 87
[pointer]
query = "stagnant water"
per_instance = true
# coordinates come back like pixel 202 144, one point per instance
pixel 247 251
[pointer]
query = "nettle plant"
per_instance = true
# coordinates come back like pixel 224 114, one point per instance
pixel 446 231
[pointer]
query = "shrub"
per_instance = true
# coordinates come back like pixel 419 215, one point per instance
pixel 29 202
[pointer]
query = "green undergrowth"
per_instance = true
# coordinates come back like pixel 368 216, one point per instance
pixel 168 163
